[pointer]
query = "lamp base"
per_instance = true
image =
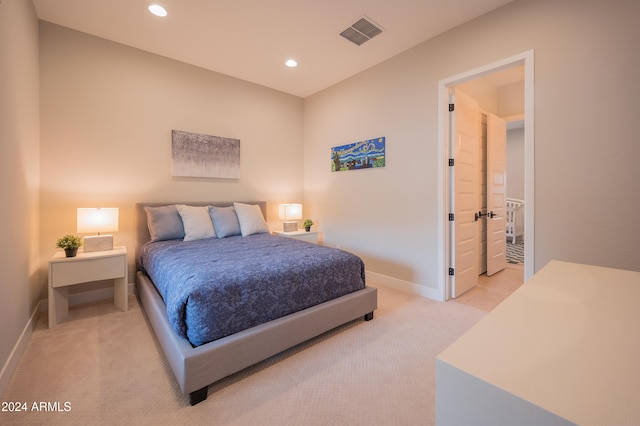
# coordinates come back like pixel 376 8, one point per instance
pixel 98 243
pixel 290 226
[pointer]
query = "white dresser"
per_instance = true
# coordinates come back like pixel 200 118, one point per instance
pixel 562 349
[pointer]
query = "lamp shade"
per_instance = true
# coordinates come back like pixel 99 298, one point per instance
pixel 290 211
pixel 96 220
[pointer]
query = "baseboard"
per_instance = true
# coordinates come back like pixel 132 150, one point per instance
pixel 10 366
pixel 406 286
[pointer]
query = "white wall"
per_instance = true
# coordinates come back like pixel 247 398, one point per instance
pixel 107 115
pixel 586 95
pixel 19 179
pixel 486 94
pixel 511 99
pixel 515 163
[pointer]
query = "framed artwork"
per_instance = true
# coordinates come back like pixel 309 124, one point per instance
pixel 358 155
pixel 197 155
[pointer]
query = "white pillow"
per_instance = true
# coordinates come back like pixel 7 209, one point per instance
pixel 196 221
pixel 251 219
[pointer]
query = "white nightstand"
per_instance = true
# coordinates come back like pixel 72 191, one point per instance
pixel 85 267
pixel 311 236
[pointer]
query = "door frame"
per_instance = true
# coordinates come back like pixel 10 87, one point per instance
pixel 444 254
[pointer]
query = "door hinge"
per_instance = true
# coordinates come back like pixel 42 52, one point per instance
pixel 451 217
pixel 451 271
pixel 451 107
pixel 451 162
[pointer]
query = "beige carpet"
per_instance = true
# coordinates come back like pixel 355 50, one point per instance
pixel 106 366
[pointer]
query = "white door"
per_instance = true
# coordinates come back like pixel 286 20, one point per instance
pixel 464 180
pixel 496 194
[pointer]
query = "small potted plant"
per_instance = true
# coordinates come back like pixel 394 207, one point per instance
pixel 70 244
pixel 307 225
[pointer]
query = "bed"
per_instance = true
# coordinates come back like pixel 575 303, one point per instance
pixel 515 219
pixel 199 359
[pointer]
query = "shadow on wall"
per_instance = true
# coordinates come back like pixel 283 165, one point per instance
pixel 394 270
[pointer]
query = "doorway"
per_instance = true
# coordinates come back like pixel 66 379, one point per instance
pixel 445 234
pixel 477 174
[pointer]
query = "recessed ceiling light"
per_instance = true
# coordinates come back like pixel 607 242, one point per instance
pixel 291 63
pixel 157 10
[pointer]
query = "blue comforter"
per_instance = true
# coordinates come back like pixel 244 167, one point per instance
pixel 217 287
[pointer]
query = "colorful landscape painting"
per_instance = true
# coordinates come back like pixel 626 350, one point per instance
pixel 358 155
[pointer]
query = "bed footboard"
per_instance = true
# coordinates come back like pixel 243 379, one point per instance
pixel 196 368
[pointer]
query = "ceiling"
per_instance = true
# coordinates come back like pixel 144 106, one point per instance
pixel 252 39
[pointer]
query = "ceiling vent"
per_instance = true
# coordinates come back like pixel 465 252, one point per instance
pixel 361 31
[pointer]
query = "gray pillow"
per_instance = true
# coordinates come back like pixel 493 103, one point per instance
pixel 251 219
pixel 196 222
pixel 225 221
pixel 164 223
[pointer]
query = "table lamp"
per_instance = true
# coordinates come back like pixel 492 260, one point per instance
pixel 290 213
pixel 97 220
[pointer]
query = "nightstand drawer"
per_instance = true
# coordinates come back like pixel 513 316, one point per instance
pixel 85 270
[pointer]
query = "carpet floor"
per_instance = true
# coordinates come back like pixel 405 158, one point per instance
pixel 105 367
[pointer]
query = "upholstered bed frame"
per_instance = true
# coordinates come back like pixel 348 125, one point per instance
pixel 196 368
